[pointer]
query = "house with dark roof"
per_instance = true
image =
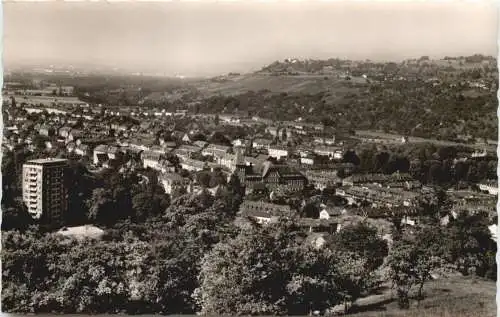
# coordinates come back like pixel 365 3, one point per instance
pixel 261 143
pixel 273 176
pixel 263 212
pixel 105 151
pixel 323 179
pixel 311 225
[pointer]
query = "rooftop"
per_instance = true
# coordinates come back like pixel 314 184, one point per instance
pixel 48 161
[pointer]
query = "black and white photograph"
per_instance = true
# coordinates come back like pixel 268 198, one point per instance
pixel 250 158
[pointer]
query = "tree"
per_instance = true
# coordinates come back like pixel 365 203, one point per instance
pixel 283 135
pixel 354 278
pixel 266 270
pixel 219 138
pixel 232 194
pixel 310 210
pixel 39 142
pixel 13 101
pixel 254 272
pixel 411 260
pixel 9 178
pixel 380 161
pixel 217 177
pixel 364 240
pixel 468 242
pixel 80 184
pixel 104 208
pixel 203 178
pixel 16 217
pixel 351 157
pixel 367 160
pixel 143 206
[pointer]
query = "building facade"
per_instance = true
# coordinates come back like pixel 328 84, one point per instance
pixel 44 191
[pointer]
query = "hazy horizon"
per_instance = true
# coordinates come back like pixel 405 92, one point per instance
pixel 210 38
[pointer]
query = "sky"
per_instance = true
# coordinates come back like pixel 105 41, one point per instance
pixel 193 38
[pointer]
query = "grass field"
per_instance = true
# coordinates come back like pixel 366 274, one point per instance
pixel 450 297
pixel 254 82
pixel 47 100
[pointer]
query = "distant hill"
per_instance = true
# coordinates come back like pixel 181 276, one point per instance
pixel 313 76
pixel 293 66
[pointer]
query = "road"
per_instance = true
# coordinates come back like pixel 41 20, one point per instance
pixel 394 138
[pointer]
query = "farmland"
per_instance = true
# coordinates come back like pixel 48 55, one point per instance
pixel 235 85
pixel 46 100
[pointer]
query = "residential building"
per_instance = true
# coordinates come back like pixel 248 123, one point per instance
pixel 318 225
pixel 66 90
pixel 75 134
pixel 216 150
pixel 186 138
pixel 82 150
pixel 263 212
pixel 491 187
pixel 44 191
pixel 274 131
pixel 193 165
pixel 46 130
pixel 105 152
pixel 64 132
pixel 143 142
pixel 152 159
pixel 186 151
pixel 378 196
pixel 272 176
pixel 323 179
pixel 307 160
pixel 278 151
pixel 324 140
pixel 332 152
pixel 200 144
pixel 261 143
pixel 393 180
pixel 239 142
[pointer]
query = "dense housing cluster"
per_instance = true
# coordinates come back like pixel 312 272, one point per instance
pixel 303 199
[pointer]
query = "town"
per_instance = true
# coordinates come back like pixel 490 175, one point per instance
pixel 77 165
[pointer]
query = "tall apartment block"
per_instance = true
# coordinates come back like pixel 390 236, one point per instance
pixel 44 192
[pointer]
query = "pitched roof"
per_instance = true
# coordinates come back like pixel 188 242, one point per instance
pixel 283 170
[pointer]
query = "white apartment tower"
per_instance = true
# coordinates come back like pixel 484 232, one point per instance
pixel 44 192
